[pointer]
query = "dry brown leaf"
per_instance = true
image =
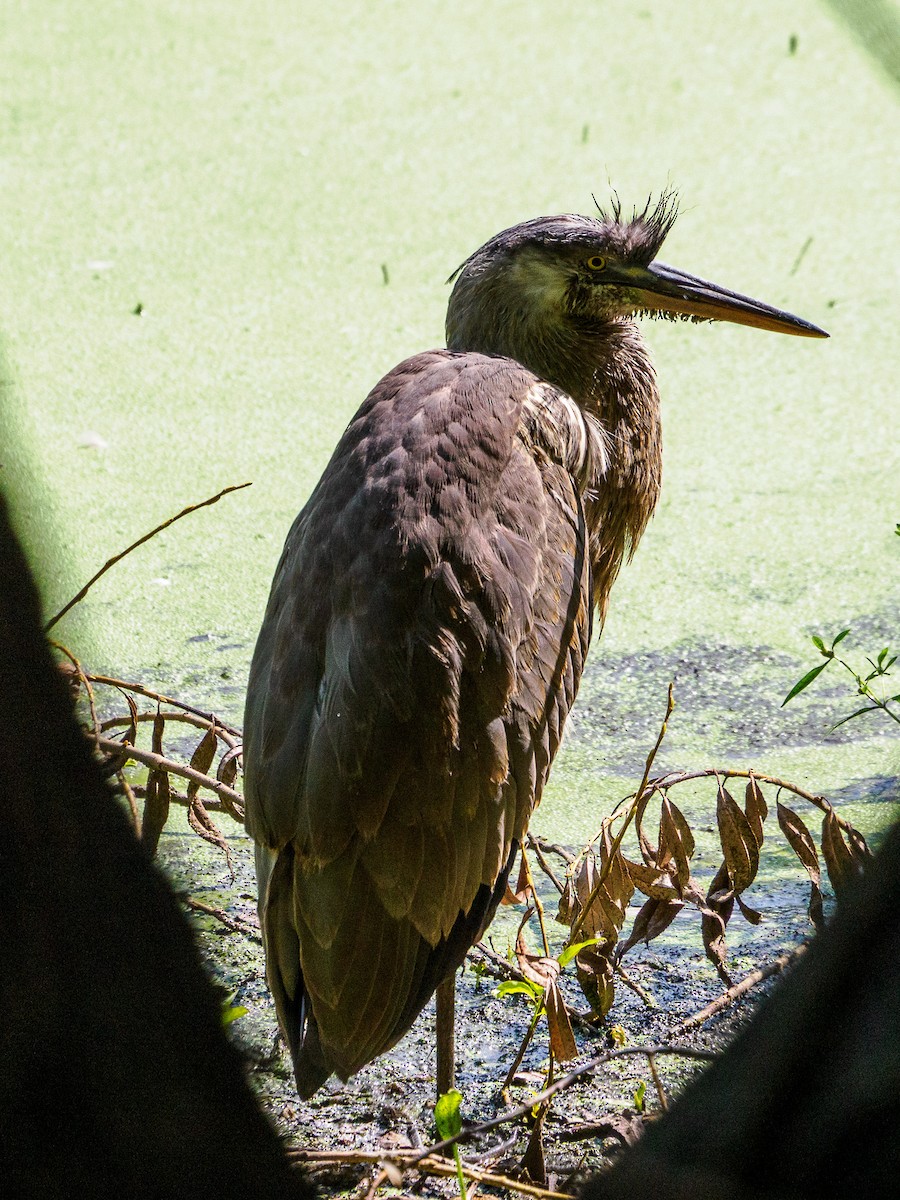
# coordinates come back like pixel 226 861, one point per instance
pixel 156 809
pixel 756 808
pixel 618 885
pixel 203 825
pixel 536 967
pixel 603 907
pixel 201 759
pixel 655 916
pixel 753 915
pixel 584 880
pixel 532 1165
pixel 739 845
pixel 653 883
pixel 117 759
pixel 857 845
pixel 228 767
pixel 801 842
pixel 649 853
pixel 569 908
pixel 675 835
pixel 799 839
pixel 131 732
pixel 715 915
pixel 842 864
pixel 156 805
pixel 562 1039
pixel 519 894
pixel 595 976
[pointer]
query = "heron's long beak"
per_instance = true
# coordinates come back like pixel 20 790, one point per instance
pixel 659 288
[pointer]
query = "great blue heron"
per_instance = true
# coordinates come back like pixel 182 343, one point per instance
pixel 430 615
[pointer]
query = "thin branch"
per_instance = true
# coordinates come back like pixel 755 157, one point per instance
pixel 673 778
pixel 635 987
pixel 533 843
pixel 591 1132
pixel 182 799
pixel 232 801
pixel 492 1152
pixel 657 1083
pixel 629 817
pixel 140 690
pixel 235 924
pixel 427 1164
pixel 495 964
pixel 739 989
pixel 865 690
pixel 186 718
pixel 84 680
pixel 526 1042
pixel 79 596
pixel 552 848
pixel 566 1082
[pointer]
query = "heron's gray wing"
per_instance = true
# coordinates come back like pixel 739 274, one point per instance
pixel 422 644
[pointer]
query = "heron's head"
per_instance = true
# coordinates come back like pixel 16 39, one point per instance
pixel 554 273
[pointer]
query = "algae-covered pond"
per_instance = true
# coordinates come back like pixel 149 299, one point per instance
pixel 223 222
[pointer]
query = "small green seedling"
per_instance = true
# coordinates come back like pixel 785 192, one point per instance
pixel 231 1011
pixel 881 668
pixel 448 1119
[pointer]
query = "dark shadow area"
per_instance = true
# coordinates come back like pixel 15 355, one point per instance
pixel 875 25
pixel 116 1078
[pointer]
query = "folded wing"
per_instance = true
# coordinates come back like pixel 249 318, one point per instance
pixel 422 646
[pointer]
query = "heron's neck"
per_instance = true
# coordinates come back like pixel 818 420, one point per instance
pixel 621 392
pixel 606 368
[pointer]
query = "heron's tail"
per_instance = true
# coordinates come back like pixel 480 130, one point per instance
pixel 310 1068
pixel 274 870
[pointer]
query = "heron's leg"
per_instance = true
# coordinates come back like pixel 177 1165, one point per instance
pixel 445 1021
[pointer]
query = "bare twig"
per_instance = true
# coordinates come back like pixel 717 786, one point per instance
pixel 534 844
pixel 566 1082
pixel 495 964
pixel 493 1152
pixel 657 1082
pixel 523 1046
pixel 232 801
pixel 235 924
pixel 182 799
pixel 629 817
pixel 673 778
pixel 79 596
pixel 428 1164
pixel 635 986
pixel 591 1131
pixel 185 718
pixel 552 848
pixel 739 989
pixel 140 690
pixel 378 1178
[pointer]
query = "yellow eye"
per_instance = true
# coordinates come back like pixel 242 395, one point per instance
pixel 596 263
